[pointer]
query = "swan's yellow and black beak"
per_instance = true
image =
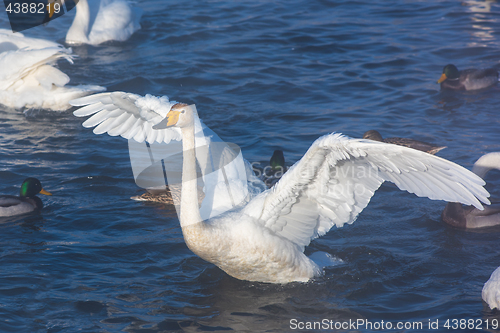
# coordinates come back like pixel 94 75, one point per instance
pixel 442 78
pixel 172 116
pixel 170 120
pixel 42 191
pixel 50 10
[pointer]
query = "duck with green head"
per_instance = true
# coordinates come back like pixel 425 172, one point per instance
pixel 26 202
pixel 468 79
pixel 276 169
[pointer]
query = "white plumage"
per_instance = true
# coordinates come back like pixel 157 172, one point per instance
pixel 264 240
pixel 103 21
pixel 330 185
pixel 491 290
pixel 28 77
pixel 128 115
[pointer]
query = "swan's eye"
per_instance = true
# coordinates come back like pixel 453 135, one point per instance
pixel 183 111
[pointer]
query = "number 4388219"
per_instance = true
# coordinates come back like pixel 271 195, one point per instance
pixel 471 324
pixel 32 8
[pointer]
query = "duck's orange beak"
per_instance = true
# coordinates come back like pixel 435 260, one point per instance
pixel 45 192
pixel 442 78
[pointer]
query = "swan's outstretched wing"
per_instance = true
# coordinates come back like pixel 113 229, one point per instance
pixel 129 115
pixel 337 176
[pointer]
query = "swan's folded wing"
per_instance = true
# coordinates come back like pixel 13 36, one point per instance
pixel 15 40
pixel 18 65
pixel 337 177
pixel 129 115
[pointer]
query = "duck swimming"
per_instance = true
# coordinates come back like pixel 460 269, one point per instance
pixel 469 217
pixel 276 169
pixel 26 202
pixel 264 238
pixel 410 143
pixel 168 195
pixel 468 79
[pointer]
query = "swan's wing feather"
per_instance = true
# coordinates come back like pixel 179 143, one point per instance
pixel 18 65
pixel 337 177
pixel 129 115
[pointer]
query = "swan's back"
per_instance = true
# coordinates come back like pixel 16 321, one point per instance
pixel 114 20
pixel 491 290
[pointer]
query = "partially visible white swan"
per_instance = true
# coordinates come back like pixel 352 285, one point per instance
pixel 223 170
pixel 469 217
pixel 114 20
pixel 264 240
pixel 491 290
pixel 29 78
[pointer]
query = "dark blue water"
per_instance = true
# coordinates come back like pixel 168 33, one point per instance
pixel 264 75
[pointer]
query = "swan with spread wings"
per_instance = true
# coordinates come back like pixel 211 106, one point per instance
pixel 264 239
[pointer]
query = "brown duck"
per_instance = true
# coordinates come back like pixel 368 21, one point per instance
pixel 410 143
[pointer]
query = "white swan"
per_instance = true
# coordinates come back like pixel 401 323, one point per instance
pixel 114 20
pixel 469 217
pixel 133 117
pixel 28 77
pixel 491 290
pixel 264 240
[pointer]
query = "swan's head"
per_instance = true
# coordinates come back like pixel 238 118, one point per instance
pixel 180 115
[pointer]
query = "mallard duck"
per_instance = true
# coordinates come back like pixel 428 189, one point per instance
pixel 104 21
pixel 468 79
pixel 170 195
pixel 264 238
pixel 410 143
pixel 29 77
pixel 26 202
pixel 469 217
pixel 272 173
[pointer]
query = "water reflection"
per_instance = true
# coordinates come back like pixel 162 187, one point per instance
pixel 482 21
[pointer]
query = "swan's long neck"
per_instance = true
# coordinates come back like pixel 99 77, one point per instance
pixel 189 210
pixel 486 163
pixel 79 30
pixel 199 237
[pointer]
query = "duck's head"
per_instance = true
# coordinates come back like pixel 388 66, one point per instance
pixel 450 72
pixel 179 116
pixel 277 161
pixel 31 187
pixel 372 135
